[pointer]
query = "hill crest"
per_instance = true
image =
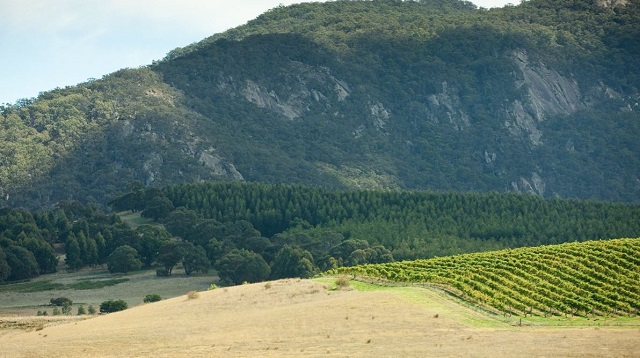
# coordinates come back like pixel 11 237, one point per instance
pixel 538 98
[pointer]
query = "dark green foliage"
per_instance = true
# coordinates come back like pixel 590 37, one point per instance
pixel 5 270
pixel 123 259
pixel 163 272
pixel 302 94
pixel 240 266
pixel 194 259
pixel 92 285
pixel 88 235
pixel 43 253
pixel 22 263
pixel 91 310
pixel 73 253
pixel 410 224
pixel 181 222
pixel 153 238
pixel 60 301
pixel 158 208
pixel 170 254
pixel 347 94
pixel 19 227
pixel 257 244
pixel 32 286
pixel 292 262
pixel 151 298
pixel 113 306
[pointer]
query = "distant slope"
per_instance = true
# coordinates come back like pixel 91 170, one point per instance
pixel 596 278
pixel 302 318
pixel 539 98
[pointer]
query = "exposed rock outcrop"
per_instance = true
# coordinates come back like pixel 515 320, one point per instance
pixel 534 185
pixel 304 87
pixel 548 93
pixel 446 106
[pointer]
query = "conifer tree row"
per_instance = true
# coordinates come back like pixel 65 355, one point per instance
pixel 406 220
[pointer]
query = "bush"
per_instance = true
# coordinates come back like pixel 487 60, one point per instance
pixel 163 272
pixel 113 306
pixel 60 301
pixel 240 266
pixel 66 309
pixel 212 287
pixel 192 295
pixel 123 259
pixel 81 310
pixel 342 282
pixel 151 298
pixel 91 310
pixel 56 311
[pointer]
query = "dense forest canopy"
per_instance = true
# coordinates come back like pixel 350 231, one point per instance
pixel 539 98
pixel 253 232
pixel 313 229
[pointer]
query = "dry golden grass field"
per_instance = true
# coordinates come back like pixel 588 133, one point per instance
pixel 306 318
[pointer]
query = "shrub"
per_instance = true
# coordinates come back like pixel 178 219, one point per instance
pixel 123 259
pixel 239 266
pixel 81 310
pixel 162 272
pixel 151 298
pixel 342 282
pixel 91 310
pixel 66 309
pixel 56 311
pixel 192 295
pixel 113 306
pixel 60 301
pixel 212 287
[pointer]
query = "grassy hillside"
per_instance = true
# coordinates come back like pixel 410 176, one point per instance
pixel 596 278
pixel 305 318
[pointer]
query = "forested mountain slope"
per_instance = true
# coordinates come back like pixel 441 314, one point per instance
pixel 540 98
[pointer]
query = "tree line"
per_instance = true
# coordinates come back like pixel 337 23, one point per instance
pixel 253 232
pixel 283 230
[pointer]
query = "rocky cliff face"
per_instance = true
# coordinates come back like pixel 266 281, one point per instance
pixel 424 104
pixel 300 88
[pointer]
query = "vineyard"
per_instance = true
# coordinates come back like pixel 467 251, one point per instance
pixel 594 278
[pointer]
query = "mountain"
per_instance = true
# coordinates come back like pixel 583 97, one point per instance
pixel 539 98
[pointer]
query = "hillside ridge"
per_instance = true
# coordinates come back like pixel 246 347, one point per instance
pixel 300 317
pixel 539 98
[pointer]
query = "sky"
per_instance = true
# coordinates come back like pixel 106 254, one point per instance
pixel 46 44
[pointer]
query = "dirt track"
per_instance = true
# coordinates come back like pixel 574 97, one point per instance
pixel 302 318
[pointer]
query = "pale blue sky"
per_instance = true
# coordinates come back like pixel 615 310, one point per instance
pixel 56 43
